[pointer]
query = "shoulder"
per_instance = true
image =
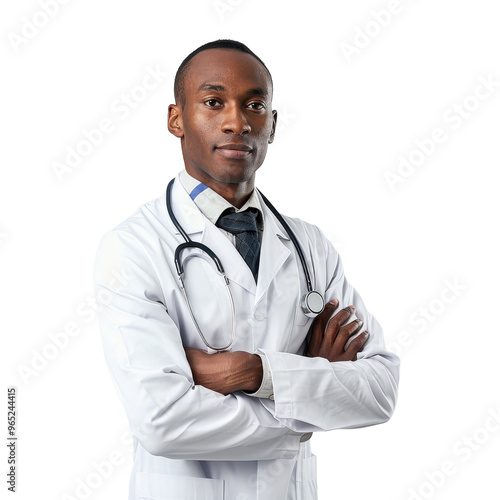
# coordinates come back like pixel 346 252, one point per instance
pixel 136 231
pixel 150 215
pixel 319 250
pixel 302 230
pixel 308 233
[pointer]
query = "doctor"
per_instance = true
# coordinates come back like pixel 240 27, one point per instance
pixel 232 425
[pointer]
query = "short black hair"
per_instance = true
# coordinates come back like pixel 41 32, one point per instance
pixel 180 76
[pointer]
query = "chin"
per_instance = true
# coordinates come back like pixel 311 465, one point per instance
pixel 234 174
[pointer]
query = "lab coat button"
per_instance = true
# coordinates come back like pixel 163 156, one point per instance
pixel 260 315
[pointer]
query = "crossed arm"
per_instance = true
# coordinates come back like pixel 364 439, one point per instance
pixel 229 372
pixel 211 419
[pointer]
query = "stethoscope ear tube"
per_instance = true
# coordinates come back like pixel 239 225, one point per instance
pixel 171 212
pixel 194 244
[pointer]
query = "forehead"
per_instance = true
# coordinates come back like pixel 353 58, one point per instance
pixel 232 69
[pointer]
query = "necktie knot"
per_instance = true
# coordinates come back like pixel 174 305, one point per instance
pixel 244 226
pixel 238 222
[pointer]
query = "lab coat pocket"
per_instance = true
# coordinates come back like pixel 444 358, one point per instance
pixel 300 318
pixel 306 481
pixel 163 487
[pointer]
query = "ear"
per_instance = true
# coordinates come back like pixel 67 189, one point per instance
pixel 273 128
pixel 175 120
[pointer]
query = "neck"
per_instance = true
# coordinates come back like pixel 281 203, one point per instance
pixel 236 193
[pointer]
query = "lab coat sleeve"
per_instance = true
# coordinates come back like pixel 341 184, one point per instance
pixel 312 394
pixel 168 414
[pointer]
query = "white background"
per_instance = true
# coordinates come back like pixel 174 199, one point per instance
pixel 346 120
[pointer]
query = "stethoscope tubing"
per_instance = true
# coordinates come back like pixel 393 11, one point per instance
pixel 312 302
pixel 191 243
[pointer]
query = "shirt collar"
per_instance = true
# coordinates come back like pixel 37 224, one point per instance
pixel 212 204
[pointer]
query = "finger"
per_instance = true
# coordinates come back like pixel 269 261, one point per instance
pixel 336 322
pixel 354 327
pixel 314 342
pixel 348 331
pixel 321 320
pixel 356 345
pixel 318 327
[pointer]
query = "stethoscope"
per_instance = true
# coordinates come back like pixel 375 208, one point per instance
pixel 312 302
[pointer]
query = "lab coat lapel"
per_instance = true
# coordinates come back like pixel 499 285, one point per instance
pixel 273 252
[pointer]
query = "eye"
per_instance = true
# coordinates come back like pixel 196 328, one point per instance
pixel 212 103
pixel 258 106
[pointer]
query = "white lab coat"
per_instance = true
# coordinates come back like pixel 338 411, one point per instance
pixel 193 443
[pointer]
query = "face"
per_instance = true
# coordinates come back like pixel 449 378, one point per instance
pixel 227 122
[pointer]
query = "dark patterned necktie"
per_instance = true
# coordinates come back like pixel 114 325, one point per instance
pixel 244 226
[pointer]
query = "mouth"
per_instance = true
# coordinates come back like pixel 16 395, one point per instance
pixel 234 150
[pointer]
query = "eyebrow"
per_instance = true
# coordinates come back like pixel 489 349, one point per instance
pixel 220 88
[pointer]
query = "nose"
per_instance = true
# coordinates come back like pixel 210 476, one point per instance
pixel 234 120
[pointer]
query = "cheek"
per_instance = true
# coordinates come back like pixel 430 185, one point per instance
pixel 263 136
pixel 261 155
pixel 198 135
pixel 206 129
pixel 265 129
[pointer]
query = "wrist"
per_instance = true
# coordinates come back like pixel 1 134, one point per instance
pixel 257 372
pixel 247 370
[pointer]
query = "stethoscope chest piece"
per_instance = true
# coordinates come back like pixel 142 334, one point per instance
pixel 312 304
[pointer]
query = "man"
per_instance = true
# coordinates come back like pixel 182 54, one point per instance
pixel 234 425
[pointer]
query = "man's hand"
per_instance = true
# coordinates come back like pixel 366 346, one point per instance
pixel 329 335
pixel 225 372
